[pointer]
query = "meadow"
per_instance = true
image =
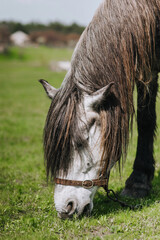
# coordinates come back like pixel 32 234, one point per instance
pixel 26 200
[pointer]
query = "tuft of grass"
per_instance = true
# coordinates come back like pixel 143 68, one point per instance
pixel 26 203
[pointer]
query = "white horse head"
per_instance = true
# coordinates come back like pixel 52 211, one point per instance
pixel 86 156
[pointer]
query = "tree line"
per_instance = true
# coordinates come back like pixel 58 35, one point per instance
pixel 13 26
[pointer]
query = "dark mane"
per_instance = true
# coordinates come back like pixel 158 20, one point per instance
pixel 118 46
pixel 59 129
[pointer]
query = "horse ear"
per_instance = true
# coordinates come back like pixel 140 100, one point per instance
pixel 51 91
pixel 102 99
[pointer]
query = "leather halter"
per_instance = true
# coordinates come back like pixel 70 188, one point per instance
pixel 85 184
pixel 96 182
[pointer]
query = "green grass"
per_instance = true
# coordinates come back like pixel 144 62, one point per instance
pixel 26 202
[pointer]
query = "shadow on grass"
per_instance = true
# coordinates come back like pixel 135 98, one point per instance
pixel 105 206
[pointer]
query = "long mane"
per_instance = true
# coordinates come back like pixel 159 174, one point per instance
pixel 118 46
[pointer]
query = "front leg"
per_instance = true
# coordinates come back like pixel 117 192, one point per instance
pixel 139 183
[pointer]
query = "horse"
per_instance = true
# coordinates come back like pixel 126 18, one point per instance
pixel 89 121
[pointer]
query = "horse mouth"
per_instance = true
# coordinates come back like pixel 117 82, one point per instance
pixel 86 210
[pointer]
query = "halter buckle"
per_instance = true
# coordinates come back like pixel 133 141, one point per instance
pixel 87 184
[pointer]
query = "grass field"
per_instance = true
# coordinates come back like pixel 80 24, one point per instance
pixel 26 201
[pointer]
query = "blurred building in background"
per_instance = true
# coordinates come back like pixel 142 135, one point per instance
pixel 20 39
pixel 52 35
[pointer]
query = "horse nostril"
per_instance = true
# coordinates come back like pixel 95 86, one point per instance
pixel 69 207
pixel 86 209
pixel 69 210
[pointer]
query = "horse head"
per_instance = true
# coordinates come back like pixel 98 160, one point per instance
pixel 73 144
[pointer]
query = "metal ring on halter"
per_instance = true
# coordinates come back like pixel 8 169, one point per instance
pixel 87 184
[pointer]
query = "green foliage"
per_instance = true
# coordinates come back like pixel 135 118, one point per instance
pixel 26 201
pixel 19 27
pixel 73 28
pixel 33 26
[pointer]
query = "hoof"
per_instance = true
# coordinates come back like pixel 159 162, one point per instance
pixel 137 186
pixel 135 192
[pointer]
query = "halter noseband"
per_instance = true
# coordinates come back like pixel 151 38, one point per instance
pixel 85 184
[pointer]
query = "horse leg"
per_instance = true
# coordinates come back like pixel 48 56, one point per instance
pixel 139 183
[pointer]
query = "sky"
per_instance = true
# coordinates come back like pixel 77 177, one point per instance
pixel 45 11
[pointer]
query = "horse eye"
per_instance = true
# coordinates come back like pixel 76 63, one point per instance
pixel 79 145
pixel 82 143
